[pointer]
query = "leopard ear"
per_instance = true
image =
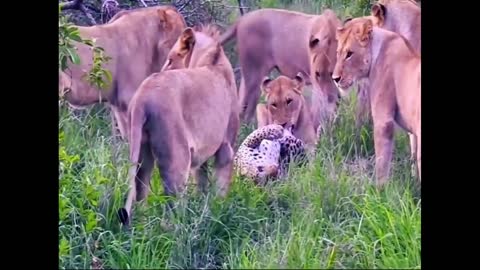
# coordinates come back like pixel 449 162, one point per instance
pixel 265 84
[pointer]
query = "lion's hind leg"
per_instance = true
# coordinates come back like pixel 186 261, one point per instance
pixel 224 168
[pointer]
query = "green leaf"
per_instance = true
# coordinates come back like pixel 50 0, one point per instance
pixel 88 42
pixel 76 37
pixel 63 63
pixel 91 222
pixel 64 247
pixel 108 75
pixel 73 56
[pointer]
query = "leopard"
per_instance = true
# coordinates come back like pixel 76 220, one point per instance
pixel 267 154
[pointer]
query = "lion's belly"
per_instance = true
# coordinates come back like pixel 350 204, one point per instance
pixel 408 96
pixel 205 142
pixel 207 131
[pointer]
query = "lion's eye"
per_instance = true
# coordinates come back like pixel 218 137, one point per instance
pixel 289 101
pixel 349 54
pixel 274 105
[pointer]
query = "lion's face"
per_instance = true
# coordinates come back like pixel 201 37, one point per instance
pixel 322 51
pixel 192 49
pixel 180 54
pixel 284 101
pixel 353 53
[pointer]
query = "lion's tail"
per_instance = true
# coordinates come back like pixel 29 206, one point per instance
pixel 136 121
pixel 229 34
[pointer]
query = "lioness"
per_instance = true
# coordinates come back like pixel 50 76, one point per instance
pixel 286 106
pixel 393 70
pixel 137 41
pixel 169 123
pixel 404 18
pixel 400 16
pixel 292 42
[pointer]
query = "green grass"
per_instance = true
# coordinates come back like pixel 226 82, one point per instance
pixel 328 215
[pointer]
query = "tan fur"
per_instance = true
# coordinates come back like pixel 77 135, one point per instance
pixel 286 106
pixel 182 117
pixel 138 42
pixel 392 68
pixel 400 16
pixel 292 42
pixel 404 18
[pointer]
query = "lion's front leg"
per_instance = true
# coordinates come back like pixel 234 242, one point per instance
pixel 413 153
pixel 383 112
pixel 383 140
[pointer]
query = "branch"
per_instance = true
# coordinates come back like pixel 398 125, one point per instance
pixel 143 2
pixel 240 7
pixel 75 4
pixel 184 5
pixel 78 4
pixel 89 16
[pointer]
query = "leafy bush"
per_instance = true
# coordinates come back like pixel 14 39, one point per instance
pixel 68 35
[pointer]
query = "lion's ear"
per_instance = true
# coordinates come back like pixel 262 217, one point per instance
pixel 347 20
pixel 313 42
pixel 367 29
pixel 162 13
pixel 339 32
pixel 378 11
pixel 299 82
pixel 187 40
pixel 265 84
pixel 363 32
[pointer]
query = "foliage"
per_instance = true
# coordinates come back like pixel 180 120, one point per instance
pixel 68 38
pixel 67 32
pixel 98 76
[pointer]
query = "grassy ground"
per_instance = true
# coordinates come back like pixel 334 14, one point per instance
pixel 328 215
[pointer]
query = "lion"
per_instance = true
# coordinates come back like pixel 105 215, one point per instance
pixel 137 41
pixel 290 42
pixel 404 18
pixel 181 117
pixel 286 106
pixel 392 67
